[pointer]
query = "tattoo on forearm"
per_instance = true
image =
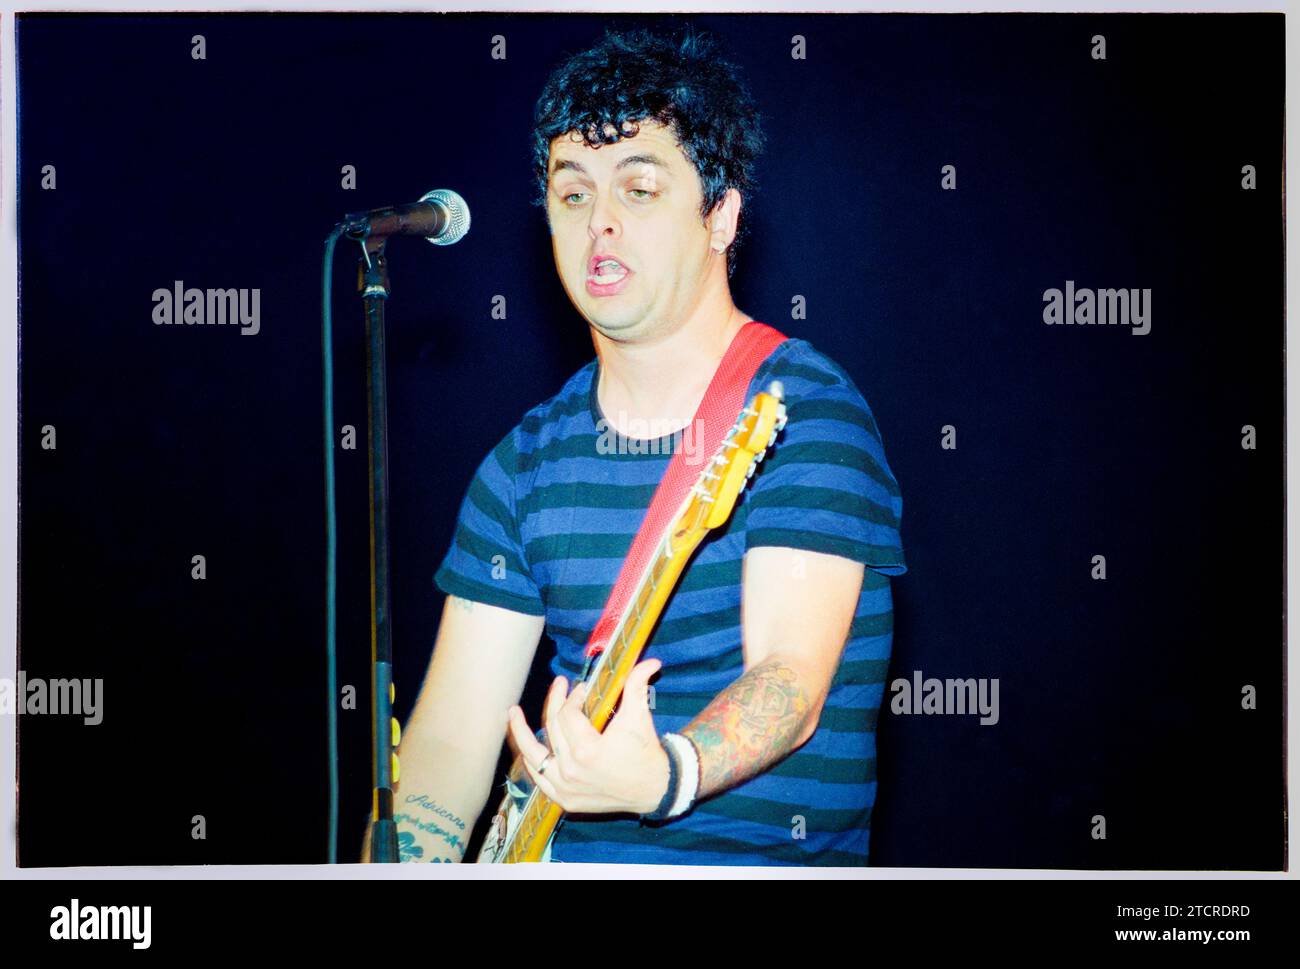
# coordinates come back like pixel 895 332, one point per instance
pixel 429 804
pixel 407 849
pixel 749 725
pixel 406 839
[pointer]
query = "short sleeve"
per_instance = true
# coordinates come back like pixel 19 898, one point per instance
pixel 826 486
pixel 486 561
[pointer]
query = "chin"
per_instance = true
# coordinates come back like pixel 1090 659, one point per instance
pixel 610 320
pixel 614 329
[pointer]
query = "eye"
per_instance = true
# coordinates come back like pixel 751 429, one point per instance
pixel 645 194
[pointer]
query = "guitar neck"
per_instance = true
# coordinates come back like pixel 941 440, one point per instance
pixel 608 676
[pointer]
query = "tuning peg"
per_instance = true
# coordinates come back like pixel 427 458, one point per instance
pixel 749 472
pixel 392 692
pixel 397 732
pixel 397 769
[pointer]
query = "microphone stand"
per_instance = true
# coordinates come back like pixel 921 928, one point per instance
pixel 373 284
pixel 372 230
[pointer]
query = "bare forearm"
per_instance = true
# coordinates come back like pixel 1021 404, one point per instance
pixel 750 725
pixel 450 745
pixel 433 807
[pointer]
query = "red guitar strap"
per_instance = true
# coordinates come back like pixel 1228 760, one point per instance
pixel 718 410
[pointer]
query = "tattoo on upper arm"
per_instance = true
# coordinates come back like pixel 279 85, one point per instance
pixel 465 604
pixel 749 725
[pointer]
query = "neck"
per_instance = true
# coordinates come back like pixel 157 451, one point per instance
pixel 660 381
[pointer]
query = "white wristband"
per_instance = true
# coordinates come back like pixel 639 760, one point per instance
pixel 688 784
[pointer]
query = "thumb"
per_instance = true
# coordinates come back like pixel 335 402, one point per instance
pixel 636 693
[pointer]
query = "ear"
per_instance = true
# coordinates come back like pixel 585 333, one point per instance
pixel 723 220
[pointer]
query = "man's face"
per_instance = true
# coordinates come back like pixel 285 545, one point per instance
pixel 638 201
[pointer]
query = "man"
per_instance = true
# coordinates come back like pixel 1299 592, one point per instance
pixel 771 655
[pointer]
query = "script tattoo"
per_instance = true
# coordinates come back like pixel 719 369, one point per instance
pixel 429 804
pixel 749 725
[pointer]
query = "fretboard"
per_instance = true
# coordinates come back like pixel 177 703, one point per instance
pixel 608 676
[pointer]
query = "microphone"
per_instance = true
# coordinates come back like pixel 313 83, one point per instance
pixel 441 216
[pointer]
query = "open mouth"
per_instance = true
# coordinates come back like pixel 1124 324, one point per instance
pixel 607 272
pixel 606 276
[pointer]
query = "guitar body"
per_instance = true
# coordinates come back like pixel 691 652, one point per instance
pixel 523 827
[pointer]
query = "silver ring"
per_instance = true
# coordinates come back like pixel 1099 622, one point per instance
pixel 546 762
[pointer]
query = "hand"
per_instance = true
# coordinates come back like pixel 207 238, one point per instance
pixel 624 769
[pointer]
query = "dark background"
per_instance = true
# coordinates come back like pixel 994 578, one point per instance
pixel 1120 698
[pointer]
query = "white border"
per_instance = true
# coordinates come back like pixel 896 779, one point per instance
pixel 8 448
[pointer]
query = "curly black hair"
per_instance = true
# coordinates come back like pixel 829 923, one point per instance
pixel 604 92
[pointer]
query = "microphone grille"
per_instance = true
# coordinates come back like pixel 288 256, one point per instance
pixel 457 216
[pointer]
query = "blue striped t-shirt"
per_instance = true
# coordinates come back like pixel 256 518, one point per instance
pixel 543 529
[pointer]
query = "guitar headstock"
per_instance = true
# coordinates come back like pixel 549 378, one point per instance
pixel 740 453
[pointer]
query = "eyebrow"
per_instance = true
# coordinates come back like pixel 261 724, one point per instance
pixel 642 159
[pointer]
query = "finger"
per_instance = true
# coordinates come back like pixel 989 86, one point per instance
pixel 554 730
pixel 542 781
pixel 529 748
pixel 574 721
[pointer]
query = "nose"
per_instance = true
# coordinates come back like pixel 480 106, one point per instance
pixel 603 220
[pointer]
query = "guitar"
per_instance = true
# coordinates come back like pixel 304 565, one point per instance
pixel 525 822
